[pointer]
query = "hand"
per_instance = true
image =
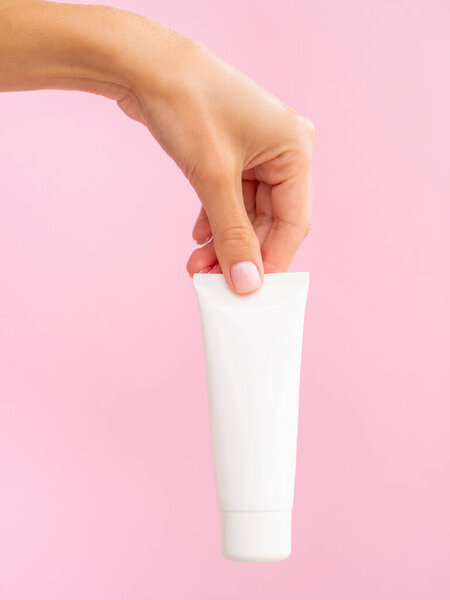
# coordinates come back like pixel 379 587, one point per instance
pixel 246 153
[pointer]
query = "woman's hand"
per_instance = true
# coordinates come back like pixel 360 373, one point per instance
pixel 246 153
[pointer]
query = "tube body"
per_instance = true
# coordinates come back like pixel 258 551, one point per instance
pixel 253 353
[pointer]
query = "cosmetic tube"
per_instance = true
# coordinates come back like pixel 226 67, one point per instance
pixel 253 352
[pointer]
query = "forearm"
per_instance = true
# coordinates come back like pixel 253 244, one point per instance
pixel 48 45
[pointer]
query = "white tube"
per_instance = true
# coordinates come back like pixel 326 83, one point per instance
pixel 253 352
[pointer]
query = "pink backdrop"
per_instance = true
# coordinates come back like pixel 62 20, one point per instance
pixel 105 467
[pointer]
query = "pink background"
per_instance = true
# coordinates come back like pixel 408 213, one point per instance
pixel 105 467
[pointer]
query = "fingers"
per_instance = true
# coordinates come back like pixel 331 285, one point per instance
pixel 257 218
pixel 202 229
pixel 202 260
pixel 235 242
pixel 291 201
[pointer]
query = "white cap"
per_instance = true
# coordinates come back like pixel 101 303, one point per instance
pixel 257 536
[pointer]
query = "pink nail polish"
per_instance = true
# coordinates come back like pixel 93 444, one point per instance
pixel 245 276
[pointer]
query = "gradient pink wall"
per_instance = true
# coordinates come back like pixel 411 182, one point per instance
pixel 105 467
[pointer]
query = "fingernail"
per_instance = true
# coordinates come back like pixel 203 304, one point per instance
pixel 203 241
pixel 207 269
pixel 245 276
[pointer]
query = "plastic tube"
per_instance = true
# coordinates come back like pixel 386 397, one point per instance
pixel 253 353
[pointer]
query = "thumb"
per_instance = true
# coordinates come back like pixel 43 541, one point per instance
pixel 235 242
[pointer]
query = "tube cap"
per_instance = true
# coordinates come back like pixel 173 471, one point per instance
pixel 256 536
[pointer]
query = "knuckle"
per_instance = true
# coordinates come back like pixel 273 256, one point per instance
pixel 303 227
pixel 310 128
pixel 298 230
pixel 236 235
pixel 304 138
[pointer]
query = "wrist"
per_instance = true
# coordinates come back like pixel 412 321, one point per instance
pixel 99 49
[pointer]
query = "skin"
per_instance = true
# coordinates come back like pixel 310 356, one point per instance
pixel 246 153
